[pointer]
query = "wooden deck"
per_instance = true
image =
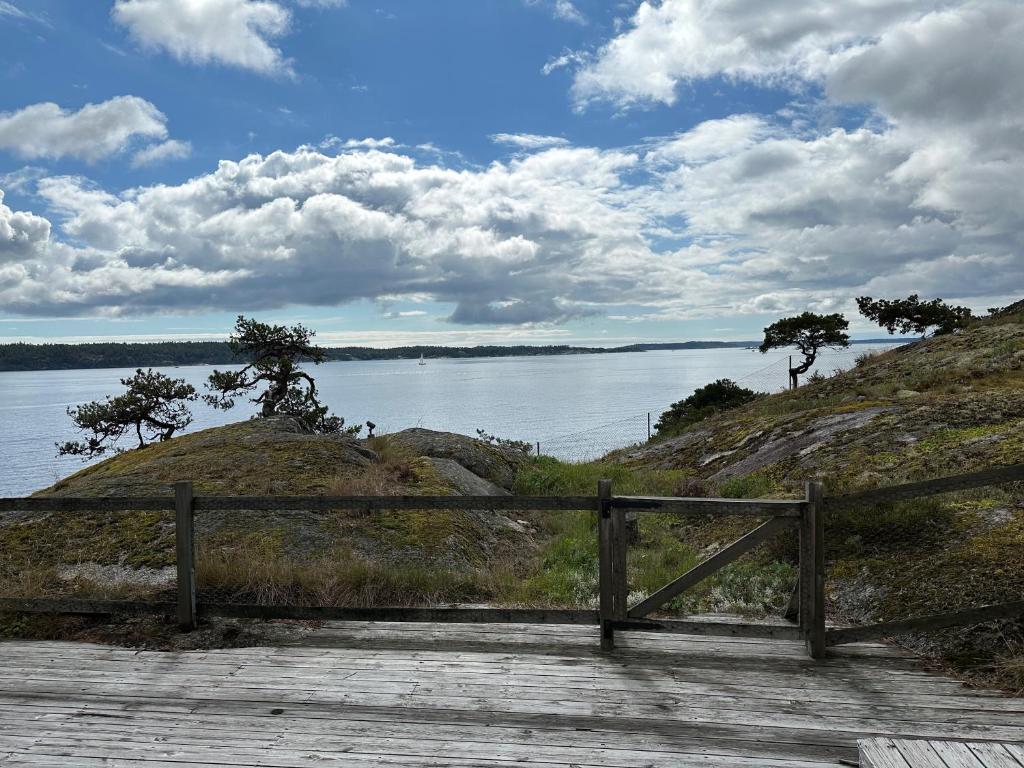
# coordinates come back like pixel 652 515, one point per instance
pixel 921 753
pixel 360 695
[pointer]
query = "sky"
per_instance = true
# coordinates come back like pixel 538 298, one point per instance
pixel 502 171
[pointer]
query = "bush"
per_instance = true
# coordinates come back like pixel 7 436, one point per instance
pixel 706 401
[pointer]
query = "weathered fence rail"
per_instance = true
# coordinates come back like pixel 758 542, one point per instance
pixel 614 613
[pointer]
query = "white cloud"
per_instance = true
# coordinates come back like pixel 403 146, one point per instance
pixel 237 33
pixel 529 140
pixel 22 235
pixel 172 149
pixel 678 41
pixel 10 9
pixel 713 139
pixel 564 10
pixel 566 59
pixel 333 142
pixel 734 216
pixel 93 132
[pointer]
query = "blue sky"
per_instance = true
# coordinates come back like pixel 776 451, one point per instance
pixel 489 171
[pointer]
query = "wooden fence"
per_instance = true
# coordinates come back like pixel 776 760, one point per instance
pixel 805 617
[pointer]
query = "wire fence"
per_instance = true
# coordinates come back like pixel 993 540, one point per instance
pixel 87 555
pixel 594 442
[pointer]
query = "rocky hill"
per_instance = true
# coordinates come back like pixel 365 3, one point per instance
pixel 941 406
pixel 345 558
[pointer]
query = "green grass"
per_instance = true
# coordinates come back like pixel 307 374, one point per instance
pixel 547 476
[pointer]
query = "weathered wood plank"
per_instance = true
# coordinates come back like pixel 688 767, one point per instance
pixel 925 623
pixel 881 753
pixel 620 559
pixel 605 564
pixel 956 755
pixel 709 566
pixel 716 507
pixel 994 476
pixel 1017 750
pixel 105 504
pixel 709 628
pixel 994 755
pixel 298 503
pixel 460 615
pixel 80 606
pixel 918 753
pixel 814 625
pixel 375 503
pixel 185 555
pixel 545 701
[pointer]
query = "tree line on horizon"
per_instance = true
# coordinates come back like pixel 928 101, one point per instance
pixel 155 406
pixel 22 356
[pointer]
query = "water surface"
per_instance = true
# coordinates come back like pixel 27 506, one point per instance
pixel 576 406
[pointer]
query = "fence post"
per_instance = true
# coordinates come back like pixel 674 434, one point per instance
pixel 184 541
pixel 605 560
pixel 812 572
pixel 620 541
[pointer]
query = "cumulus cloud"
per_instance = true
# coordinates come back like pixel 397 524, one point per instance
pixel 522 242
pixel 737 214
pixel 237 33
pixel 529 140
pixel 922 192
pixel 22 235
pixel 93 132
pixel 172 149
pixel 683 40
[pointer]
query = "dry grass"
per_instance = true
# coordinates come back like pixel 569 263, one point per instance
pixel 254 569
pixel 1008 668
pixel 390 475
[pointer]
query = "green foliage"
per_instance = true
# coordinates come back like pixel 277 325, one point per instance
pixel 705 401
pixel 519 446
pixel 275 353
pixel 566 573
pixel 913 315
pixel 808 332
pixel 153 408
pixel 754 486
pixel 547 476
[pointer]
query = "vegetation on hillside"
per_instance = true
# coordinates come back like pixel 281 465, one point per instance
pixel 720 395
pixel 941 406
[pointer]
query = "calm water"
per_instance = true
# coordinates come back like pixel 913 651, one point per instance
pixel 577 407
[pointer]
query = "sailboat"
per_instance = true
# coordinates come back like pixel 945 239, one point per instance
pixel 422 361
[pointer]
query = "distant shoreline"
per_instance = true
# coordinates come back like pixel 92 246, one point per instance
pixel 22 356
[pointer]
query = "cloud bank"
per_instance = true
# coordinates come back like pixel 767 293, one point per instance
pixel 750 213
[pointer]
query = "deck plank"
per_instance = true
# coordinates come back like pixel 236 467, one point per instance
pixel 452 696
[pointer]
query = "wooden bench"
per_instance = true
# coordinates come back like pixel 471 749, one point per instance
pixel 921 753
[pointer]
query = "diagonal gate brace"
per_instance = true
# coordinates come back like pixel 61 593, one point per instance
pixel 704 569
